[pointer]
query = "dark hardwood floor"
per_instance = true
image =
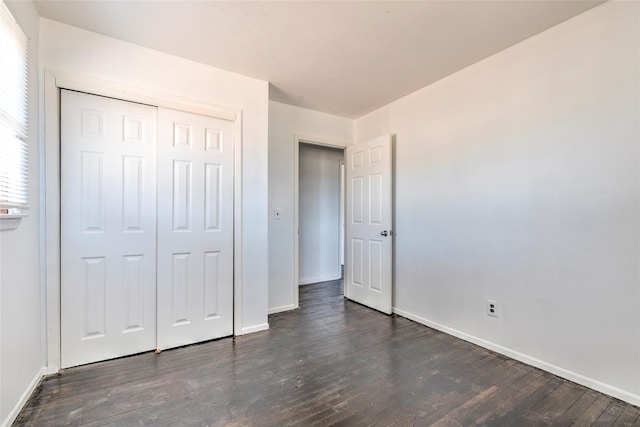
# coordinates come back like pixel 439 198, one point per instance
pixel 333 362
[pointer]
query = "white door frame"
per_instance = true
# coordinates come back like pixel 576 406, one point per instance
pixel 297 140
pixel 343 210
pixel 50 170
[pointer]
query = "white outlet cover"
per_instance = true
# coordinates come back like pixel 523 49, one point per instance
pixel 492 305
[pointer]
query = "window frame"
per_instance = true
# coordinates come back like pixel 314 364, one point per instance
pixel 14 122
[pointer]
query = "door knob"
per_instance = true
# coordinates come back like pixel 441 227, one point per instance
pixel 384 233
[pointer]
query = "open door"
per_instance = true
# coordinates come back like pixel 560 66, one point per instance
pixel 368 224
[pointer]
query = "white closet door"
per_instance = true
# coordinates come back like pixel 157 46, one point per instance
pixel 108 226
pixel 195 228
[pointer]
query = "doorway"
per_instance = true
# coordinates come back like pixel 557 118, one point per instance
pixel 318 212
pixel 319 207
pixel 368 213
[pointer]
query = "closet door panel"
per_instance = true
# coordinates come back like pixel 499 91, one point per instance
pixel 108 227
pixel 195 228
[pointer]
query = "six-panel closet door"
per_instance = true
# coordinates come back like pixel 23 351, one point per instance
pixel 146 228
pixel 195 228
pixel 108 228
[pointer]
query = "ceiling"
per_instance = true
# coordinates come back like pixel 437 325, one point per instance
pixel 341 57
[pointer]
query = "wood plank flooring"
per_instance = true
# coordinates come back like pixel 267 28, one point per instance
pixel 333 362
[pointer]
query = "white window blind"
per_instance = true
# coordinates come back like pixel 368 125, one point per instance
pixel 14 161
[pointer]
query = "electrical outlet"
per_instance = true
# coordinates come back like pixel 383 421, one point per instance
pixel 492 308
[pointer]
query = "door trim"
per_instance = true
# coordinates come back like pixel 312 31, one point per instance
pixel 297 140
pixel 50 181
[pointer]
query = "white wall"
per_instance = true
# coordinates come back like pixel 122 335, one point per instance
pixel 517 179
pixel 72 50
pixel 286 121
pixel 20 297
pixel 319 214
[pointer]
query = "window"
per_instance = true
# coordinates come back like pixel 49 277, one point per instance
pixel 14 162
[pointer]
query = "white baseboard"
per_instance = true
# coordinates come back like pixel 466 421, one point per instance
pixel 23 399
pixel 255 328
pixel 319 279
pixel 282 308
pixel 629 397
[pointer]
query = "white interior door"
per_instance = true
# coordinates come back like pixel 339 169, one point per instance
pixel 342 212
pixel 195 228
pixel 368 278
pixel 108 227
